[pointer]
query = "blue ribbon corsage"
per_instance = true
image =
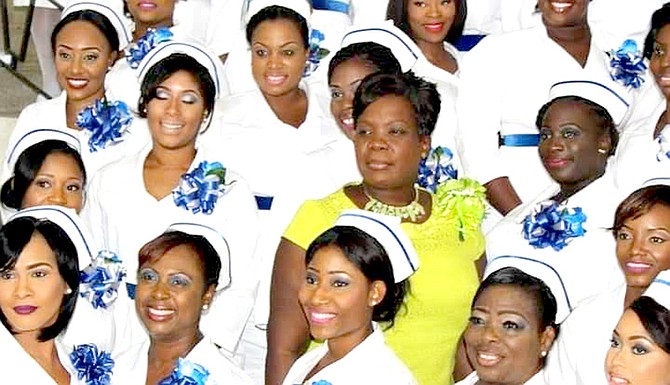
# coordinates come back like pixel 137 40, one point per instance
pixel 321 382
pixel 186 373
pixel 436 168
pixel 106 121
pixel 627 64
pixel 663 141
pixel 316 53
pixel 92 366
pixel 100 281
pixel 552 225
pixel 199 189
pixel 146 43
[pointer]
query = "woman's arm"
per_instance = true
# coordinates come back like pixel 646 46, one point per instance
pixel 501 195
pixel 288 331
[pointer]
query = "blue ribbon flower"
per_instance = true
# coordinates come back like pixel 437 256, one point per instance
pixel 92 366
pixel 627 64
pixel 316 53
pixel 436 168
pixel 106 121
pixel 552 225
pixel 146 43
pixel 321 382
pixel 186 373
pixel 100 281
pixel 199 189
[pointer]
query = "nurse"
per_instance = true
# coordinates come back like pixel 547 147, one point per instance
pixel 355 283
pixel 178 275
pixel 174 179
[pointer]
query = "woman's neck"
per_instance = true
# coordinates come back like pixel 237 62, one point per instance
pixel 169 349
pixel 569 190
pixel 171 158
pixel 438 56
pixel 45 354
pixel 74 107
pixel 401 196
pixel 576 40
pixel 632 293
pixel 341 346
pixel 290 108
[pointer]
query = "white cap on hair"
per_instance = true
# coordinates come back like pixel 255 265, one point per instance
pixel 388 35
pixel 68 220
pixel 659 290
pixel 611 97
pixel 112 10
pixel 217 241
pixel 36 136
pixel 190 47
pixel 539 270
pixel 302 7
pixel 387 231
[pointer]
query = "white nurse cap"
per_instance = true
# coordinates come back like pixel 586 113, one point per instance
pixel 611 97
pixel 385 33
pixel 539 270
pixel 112 10
pixel 68 220
pixel 659 290
pixel 387 231
pixel 215 239
pixel 190 47
pixel 302 7
pixel 36 136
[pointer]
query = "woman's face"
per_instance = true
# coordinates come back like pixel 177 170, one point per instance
pixel 176 113
pixel 82 56
pixel 503 339
pixel 388 145
pixel 337 298
pixel 59 182
pixel 643 246
pixel 32 292
pixel 171 293
pixel 430 20
pixel 152 13
pixel 569 142
pixel 278 56
pixel 659 62
pixel 634 357
pixel 563 13
pixel 344 82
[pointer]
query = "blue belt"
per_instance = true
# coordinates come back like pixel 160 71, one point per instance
pixel 466 42
pixel 332 5
pixel 264 202
pixel 131 290
pixel 519 140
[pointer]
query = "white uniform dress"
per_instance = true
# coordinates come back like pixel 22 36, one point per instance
pixel 537 379
pixel 124 216
pixel 585 264
pixel 370 362
pixel 132 368
pixel 578 354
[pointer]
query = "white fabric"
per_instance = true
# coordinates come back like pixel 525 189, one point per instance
pixel 615 101
pixel 576 262
pixel 370 362
pixel 578 354
pixel 40 135
pixel 225 23
pixel 132 367
pixel 302 7
pixel 366 11
pixel 112 10
pixel 659 290
pixel 118 199
pixel 385 33
pixel 472 379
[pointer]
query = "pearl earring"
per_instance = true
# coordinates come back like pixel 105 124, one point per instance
pixel 68 291
pixel 205 306
pixel 543 354
pixel 602 151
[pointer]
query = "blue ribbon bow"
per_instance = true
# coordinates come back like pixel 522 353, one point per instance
pixel 316 53
pixel 186 373
pixel 436 168
pixel 627 64
pixel 106 121
pixel 92 366
pixel 321 382
pixel 552 225
pixel 100 281
pixel 145 44
pixel 199 189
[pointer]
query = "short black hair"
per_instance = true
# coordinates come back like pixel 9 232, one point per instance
pixel 14 236
pixel 100 21
pixel 655 318
pixel 277 12
pixel 366 253
pixel 659 19
pixel 421 94
pixel 397 11
pixel 545 301
pixel 28 164
pixel 375 55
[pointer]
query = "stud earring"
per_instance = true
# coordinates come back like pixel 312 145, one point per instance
pixel 68 291
pixel 205 306
pixel 543 354
pixel 602 151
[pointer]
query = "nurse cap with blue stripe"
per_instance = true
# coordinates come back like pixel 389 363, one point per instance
pixel 387 231
pixel 68 220
pixel 190 47
pixel 609 95
pixel 302 7
pixel 539 270
pixel 385 33
pixel 36 136
pixel 112 10
pixel 659 290
pixel 218 242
